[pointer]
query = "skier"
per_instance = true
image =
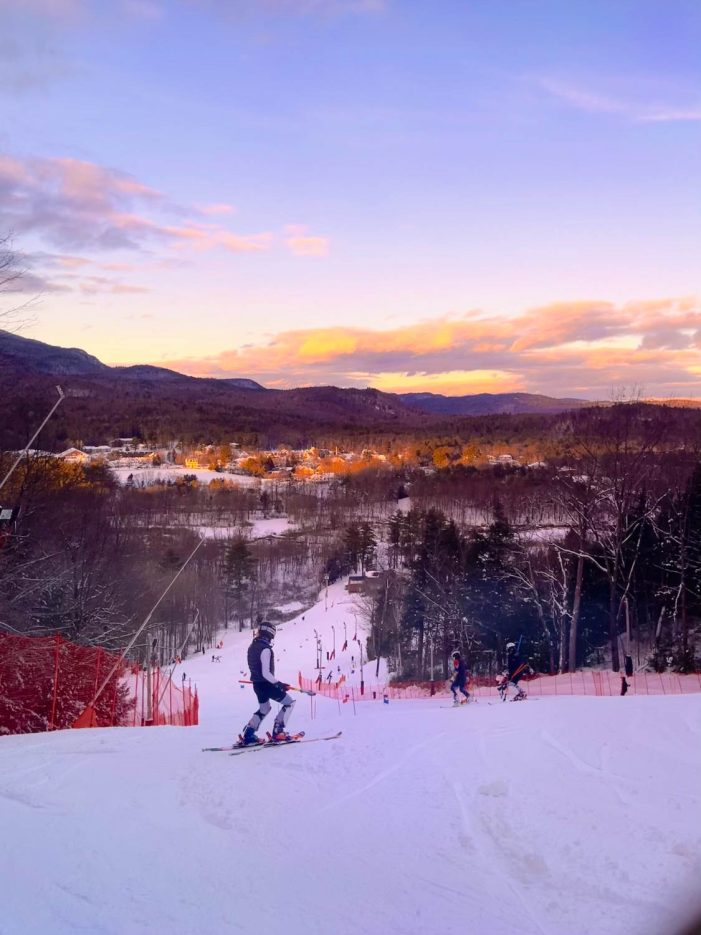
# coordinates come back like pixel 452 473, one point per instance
pixel 514 672
pixel 459 678
pixel 261 664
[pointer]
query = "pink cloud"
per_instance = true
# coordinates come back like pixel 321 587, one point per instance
pixel 52 9
pixel 74 203
pixel 218 208
pixel 299 243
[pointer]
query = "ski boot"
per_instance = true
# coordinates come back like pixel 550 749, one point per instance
pixel 280 736
pixel 456 703
pixel 248 738
pixel 519 696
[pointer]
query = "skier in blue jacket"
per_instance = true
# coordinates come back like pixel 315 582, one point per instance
pixel 261 664
pixel 459 678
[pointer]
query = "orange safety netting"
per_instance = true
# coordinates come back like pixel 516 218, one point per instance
pixel 588 682
pixel 48 683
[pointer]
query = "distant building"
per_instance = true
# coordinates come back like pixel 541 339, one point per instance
pixel 73 456
pixel 364 584
pixel 356 584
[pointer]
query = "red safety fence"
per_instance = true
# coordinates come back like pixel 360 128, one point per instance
pixel 171 704
pixel 587 682
pixel 48 683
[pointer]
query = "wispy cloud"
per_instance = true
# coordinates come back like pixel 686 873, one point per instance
pixel 144 9
pixel 47 273
pixel 74 204
pixel 70 10
pixel 216 209
pixel 655 106
pixel 323 7
pixel 52 9
pixel 300 243
pixel 86 212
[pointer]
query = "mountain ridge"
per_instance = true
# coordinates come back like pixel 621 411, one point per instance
pixel 491 403
pixel 31 356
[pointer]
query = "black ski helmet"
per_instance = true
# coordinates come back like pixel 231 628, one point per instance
pixel 266 631
pixel 455 654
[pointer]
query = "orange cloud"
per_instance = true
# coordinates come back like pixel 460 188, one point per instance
pixel 450 383
pixel 326 345
pixel 586 347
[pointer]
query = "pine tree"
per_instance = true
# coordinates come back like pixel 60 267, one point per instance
pixel 238 571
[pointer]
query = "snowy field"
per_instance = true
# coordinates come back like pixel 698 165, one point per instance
pixel 257 529
pixel 562 816
pixel 145 476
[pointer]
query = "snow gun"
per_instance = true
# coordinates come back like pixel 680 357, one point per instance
pixel 290 688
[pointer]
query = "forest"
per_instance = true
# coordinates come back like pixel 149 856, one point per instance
pixel 590 559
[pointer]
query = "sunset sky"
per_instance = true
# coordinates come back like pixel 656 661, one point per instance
pixel 453 196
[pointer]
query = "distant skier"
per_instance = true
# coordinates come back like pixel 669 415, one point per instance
pixel 459 678
pixel 261 664
pixel 512 675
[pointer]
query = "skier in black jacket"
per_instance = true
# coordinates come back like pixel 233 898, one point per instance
pixel 459 678
pixel 515 671
pixel 261 663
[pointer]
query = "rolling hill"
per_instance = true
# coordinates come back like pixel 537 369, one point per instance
pixel 155 402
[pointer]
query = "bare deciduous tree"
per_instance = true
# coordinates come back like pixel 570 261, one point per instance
pixel 13 316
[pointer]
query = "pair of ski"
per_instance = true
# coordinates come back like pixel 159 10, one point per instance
pixel 508 700
pixel 236 749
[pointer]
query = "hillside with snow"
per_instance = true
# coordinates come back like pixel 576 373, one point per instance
pixel 561 816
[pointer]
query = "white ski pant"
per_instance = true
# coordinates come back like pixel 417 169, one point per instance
pixel 282 717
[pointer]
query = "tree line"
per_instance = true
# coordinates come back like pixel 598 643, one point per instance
pixel 618 581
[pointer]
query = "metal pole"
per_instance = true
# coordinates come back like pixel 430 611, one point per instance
pixel 149 695
pixel 362 680
pixel 179 654
pixel 61 397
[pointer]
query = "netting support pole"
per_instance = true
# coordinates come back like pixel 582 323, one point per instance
pixel 52 722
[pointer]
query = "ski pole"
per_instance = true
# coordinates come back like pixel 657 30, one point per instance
pixel 290 688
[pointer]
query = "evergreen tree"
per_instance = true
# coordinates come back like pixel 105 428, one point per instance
pixel 238 572
pixel 352 544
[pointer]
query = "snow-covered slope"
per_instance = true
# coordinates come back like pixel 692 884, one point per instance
pixel 564 816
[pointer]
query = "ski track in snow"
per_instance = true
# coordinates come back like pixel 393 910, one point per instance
pixel 386 773
pixel 575 816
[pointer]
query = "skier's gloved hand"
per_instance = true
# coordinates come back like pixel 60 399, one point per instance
pixel 283 686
